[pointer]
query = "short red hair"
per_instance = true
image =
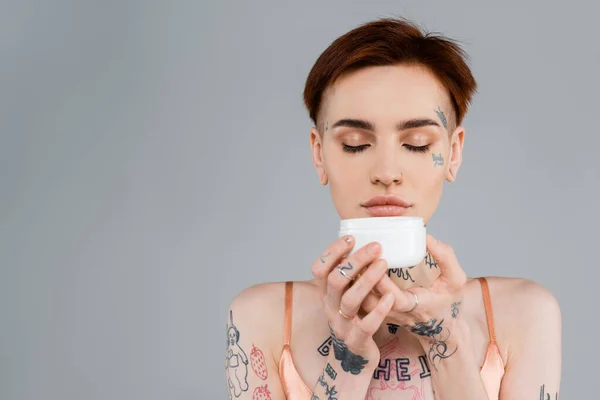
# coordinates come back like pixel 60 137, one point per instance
pixel 389 41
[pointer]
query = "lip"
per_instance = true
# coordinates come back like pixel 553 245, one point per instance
pixel 387 200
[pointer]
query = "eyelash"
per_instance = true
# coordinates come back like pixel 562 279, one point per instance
pixel 358 149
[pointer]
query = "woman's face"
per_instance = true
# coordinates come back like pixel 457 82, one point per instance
pixel 410 160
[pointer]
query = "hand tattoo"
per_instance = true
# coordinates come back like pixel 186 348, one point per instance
pixel 324 256
pixel 455 308
pixel 351 362
pixel 433 330
pixel 348 266
pixel 430 261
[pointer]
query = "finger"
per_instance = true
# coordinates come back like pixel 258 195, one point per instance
pixel 354 296
pixel 446 259
pixel 332 256
pixel 372 321
pixel 404 299
pixel 370 302
pixel 337 282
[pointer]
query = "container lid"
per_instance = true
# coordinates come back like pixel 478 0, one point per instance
pixel 381 223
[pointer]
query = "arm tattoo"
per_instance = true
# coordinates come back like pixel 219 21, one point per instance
pixel 325 347
pixel 433 330
pixel 330 371
pixel 236 362
pixel 440 114
pixel 455 308
pixel 261 392
pixel 258 362
pixel 330 391
pixel 351 362
pixel 546 396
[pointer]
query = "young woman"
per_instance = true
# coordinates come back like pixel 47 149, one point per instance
pixel 387 101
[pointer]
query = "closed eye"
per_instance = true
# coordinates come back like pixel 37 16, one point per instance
pixel 358 149
pixel 417 149
pixel 354 149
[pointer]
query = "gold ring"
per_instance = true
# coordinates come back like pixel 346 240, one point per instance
pixel 344 315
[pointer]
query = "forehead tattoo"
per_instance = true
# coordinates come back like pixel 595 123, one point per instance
pixel 440 114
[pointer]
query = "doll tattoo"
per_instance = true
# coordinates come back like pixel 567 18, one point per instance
pixel 236 362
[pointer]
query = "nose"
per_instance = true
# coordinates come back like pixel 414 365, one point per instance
pixel 386 170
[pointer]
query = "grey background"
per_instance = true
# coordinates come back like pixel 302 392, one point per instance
pixel 155 161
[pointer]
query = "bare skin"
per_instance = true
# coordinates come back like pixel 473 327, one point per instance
pixel 310 330
pixel 391 130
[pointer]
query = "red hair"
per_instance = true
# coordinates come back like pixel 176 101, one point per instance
pixel 390 41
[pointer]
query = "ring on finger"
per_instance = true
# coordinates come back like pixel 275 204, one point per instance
pixel 416 302
pixel 344 273
pixel 344 315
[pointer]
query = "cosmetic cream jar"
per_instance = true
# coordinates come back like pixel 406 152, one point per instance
pixel 402 239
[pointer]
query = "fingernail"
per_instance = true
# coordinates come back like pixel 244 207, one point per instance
pixel 348 239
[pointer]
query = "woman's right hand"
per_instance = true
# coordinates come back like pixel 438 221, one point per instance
pixel 353 342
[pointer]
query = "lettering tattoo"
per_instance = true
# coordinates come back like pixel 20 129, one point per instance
pixel 330 391
pixel 403 273
pixel 330 371
pixel 546 396
pixel 433 330
pixel 455 308
pixel 430 261
pixel 236 362
pixel 438 159
pixel 440 114
pixel 351 362
pixel 325 347
pixel 399 372
pixel 323 257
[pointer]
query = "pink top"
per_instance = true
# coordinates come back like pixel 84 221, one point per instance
pixel 295 388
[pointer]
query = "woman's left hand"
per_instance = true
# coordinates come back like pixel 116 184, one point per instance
pixel 438 305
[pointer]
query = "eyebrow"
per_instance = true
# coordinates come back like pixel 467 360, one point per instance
pixel 370 126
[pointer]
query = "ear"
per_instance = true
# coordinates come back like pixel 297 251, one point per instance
pixel 316 147
pixel 456 147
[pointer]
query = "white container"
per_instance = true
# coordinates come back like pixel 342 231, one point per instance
pixel 402 239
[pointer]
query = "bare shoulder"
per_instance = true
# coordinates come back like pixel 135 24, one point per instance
pixel 519 294
pixel 520 305
pixel 262 307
